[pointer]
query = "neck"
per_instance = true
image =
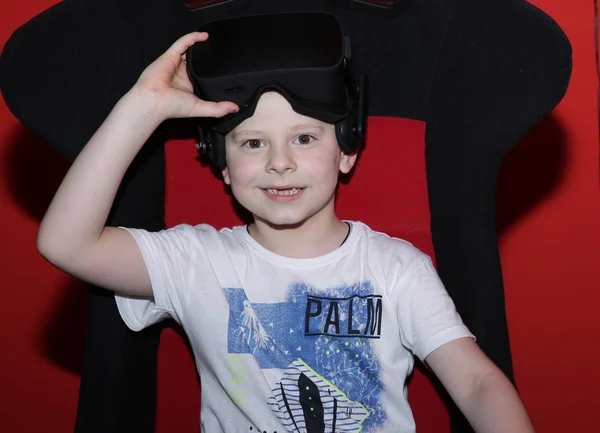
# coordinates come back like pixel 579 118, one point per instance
pixel 311 238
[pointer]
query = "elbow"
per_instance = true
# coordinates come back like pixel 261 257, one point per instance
pixel 63 251
pixel 43 246
pixel 49 248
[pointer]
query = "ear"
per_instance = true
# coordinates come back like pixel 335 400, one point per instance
pixel 347 162
pixel 225 173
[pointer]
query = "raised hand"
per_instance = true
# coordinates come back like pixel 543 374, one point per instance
pixel 167 86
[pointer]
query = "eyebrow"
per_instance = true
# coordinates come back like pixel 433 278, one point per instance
pixel 255 132
pixel 249 132
pixel 308 126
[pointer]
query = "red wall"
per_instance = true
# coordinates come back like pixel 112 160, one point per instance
pixel 549 223
pixel 549 226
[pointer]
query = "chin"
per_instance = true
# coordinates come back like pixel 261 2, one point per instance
pixel 282 222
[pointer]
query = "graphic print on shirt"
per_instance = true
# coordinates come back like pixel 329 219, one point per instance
pixel 323 340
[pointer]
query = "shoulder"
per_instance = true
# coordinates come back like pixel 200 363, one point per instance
pixel 190 230
pixel 187 236
pixel 395 263
pixel 386 248
pixel 199 231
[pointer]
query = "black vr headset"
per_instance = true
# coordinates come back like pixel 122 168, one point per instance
pixel 302 55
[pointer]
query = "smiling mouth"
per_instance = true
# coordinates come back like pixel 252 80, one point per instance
pixel 286 191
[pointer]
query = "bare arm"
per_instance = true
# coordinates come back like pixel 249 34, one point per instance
pixel 481 391
pixel 72 235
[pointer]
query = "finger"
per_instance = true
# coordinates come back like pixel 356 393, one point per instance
pixel 178 49
pixel 213 109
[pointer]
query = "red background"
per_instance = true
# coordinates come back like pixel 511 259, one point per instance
pixel 548 223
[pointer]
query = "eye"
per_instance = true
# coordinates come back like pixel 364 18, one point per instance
pixel 252 144
pixel 304 139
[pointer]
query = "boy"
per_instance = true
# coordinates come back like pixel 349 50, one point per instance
pixel 299 322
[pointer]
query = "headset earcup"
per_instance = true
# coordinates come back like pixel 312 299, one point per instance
pixel 347 135
pixel 217 149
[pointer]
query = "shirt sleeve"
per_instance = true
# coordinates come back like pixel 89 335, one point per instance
pixel 426 313
pixel 167 256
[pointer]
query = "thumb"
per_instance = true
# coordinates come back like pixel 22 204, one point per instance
pixel 213 109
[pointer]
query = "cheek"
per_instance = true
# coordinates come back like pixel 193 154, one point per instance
pixel 241 172
pixel 325 168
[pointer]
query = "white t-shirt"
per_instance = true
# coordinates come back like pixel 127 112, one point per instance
pixel 297 345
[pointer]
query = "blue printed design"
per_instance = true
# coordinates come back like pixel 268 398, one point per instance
pixel 330 332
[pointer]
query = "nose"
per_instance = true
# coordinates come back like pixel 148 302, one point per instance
pixel 280 158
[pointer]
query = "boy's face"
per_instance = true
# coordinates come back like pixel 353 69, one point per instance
pixel 282 166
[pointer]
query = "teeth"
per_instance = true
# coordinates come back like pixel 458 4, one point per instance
pixel 290 191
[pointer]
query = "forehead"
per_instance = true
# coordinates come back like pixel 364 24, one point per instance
pixel 273 112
